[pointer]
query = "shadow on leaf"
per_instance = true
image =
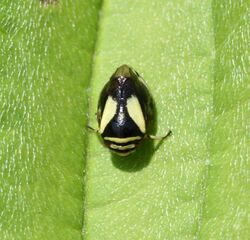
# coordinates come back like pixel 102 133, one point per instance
pixel 137 160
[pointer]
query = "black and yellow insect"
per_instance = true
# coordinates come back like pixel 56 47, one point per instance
pixel 125 112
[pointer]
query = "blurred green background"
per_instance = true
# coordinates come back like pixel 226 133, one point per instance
pixel 56 179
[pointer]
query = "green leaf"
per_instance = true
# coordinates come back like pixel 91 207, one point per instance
pixel 55 57
pixel 161 197
pixel 45 67
pixel 226 204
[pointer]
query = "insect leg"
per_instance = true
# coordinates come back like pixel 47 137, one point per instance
pixel 93 129
pixel 152 137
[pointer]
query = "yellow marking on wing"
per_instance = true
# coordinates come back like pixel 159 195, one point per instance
pixel 135 112
pixel 122 140
pixel 130 146
pixel 108 113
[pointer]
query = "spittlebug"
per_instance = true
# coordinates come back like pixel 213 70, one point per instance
pixel 125 112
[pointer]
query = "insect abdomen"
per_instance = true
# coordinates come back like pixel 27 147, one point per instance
pixel 123 146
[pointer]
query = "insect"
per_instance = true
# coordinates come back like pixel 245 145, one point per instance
pixel 125 112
